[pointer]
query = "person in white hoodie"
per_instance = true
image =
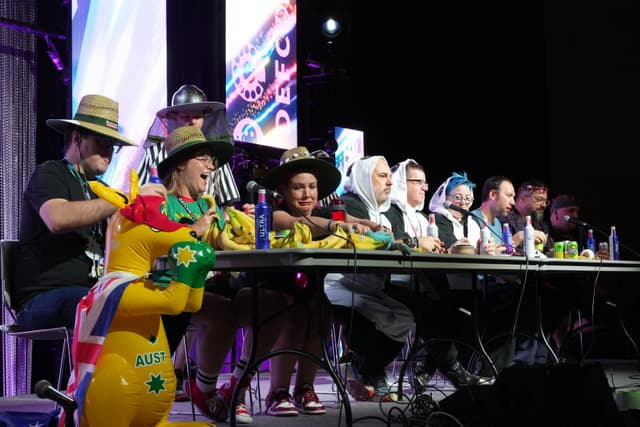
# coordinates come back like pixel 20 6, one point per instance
pixel 454 227
pixel 376 325
pixel 430 305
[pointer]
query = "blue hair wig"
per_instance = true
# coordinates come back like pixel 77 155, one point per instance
pixel 459 179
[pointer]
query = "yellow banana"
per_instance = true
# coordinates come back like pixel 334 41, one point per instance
pixel 364 242
pixel 278 242
pixel 246 220
pixel 225 240
pixel 245 239
pixel 303 231
pixel 337 239
pixel 237 228
pixel 312 244
pixel 210 199
pixel 211 236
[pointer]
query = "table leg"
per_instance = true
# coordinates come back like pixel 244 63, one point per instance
pixel 252 363
pixel 475 313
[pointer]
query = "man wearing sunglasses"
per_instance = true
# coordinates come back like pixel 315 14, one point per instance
pixel 61 235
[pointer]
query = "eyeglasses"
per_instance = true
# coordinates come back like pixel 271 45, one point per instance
pixel 208 161
pixel 103 142
pixel 461 198
pixel 420 182
pixel 540 199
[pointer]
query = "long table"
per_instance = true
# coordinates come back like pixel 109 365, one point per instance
pixel 322 261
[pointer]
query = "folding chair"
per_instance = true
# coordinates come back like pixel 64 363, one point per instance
pixel 10 327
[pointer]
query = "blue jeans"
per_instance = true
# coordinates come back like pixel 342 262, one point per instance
pixel 53 308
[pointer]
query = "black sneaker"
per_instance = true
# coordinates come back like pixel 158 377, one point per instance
pixel 459 376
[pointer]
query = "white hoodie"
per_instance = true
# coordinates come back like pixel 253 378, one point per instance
pixel 365 291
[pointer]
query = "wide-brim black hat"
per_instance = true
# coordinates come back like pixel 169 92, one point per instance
pixel 297 159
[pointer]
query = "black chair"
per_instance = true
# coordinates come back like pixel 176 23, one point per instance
pixel 10 327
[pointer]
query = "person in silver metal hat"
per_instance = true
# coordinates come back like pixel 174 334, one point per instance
pixel 190 107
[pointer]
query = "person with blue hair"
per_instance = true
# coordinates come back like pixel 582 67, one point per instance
pixel 455 228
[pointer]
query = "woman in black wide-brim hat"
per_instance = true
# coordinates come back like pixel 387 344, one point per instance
pixel 302 180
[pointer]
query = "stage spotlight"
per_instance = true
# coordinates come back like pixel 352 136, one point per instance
pixel 331 28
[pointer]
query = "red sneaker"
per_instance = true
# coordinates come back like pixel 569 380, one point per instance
pixel 279 404
pixel 243 416
pixel 307 401
pixel 210 404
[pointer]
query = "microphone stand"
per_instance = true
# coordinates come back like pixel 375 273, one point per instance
pixel 465 225
pixel 480 219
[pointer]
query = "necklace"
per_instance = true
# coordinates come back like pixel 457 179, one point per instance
pixel 94 250
pixel 188 209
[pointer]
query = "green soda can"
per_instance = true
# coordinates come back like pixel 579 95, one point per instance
pixel 572 249
pixel 558 249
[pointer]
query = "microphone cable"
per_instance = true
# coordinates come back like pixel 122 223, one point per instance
pixel 593 312
pixel 483 222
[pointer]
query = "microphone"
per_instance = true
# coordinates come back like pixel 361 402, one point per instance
pixel 45 390
pixel 253 187
pixel 448 205
pixel 576 221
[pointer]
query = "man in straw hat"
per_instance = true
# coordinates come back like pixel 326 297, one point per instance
pixel 61 236
pixel 189 107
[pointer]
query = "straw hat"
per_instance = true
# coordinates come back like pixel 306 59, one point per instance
pixel 96 113
pixel 297 159
pixel 182 142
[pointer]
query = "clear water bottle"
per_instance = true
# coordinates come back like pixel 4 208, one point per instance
pixel 432 228
pixel 507 239
pixel 614 249
pixel 485 236
pixel 591 241
pixel 263 221
pixel 529 238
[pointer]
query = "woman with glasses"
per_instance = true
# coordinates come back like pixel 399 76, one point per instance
pixel 456 228
pixel 186 171
pixel 429 306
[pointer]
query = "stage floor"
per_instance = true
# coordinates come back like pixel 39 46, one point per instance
pixel 623 391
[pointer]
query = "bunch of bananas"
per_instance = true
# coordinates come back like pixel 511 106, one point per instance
pixel 211 236
pixel 300 237
pixel 238 233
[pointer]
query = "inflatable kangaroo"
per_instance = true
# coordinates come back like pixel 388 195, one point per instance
pixel 123 373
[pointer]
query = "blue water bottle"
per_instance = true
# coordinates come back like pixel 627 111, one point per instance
pixel 614 249
pixel 263 221
pixel 507 239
